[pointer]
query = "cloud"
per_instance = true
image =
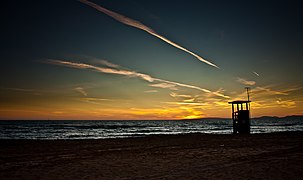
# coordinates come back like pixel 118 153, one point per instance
pixel 161 83
pixel 81 91
pixel 187 103
pixel 180 95
pixel 108 64
pixel 97 61
pixel 189 100
pixel 139 25
pixel 271 97
pixel 199 101
pixel 195 87
pixel 151 91
pixel 272 103
pixel 266 90
pixel 29 91
pixel 102 69
pixel 20 89
pixel 165 86
pixel 175 112
pixel 246 82
pixel 286 103
pixel 97 101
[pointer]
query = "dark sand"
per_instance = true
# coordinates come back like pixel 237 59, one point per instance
pixel 194 156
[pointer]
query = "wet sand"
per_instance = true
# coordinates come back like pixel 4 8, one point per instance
pixel 192 156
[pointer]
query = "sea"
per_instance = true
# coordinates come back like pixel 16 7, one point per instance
pixel 92 129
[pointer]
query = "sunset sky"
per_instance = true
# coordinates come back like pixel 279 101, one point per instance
pixel 149 59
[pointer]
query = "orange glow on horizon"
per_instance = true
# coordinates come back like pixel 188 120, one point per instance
pixel 166 113
pixel 77 104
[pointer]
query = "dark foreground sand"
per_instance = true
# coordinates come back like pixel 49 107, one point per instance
pixel 194 156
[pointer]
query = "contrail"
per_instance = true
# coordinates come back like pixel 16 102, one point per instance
pixel 139 25
pixel 102 69
pixel 256 73
pixel 81 91
pixel 246 82
pixel 129 73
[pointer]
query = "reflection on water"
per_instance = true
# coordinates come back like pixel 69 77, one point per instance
pixel 120 129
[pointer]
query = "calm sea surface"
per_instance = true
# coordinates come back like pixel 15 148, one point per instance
pixel 119 129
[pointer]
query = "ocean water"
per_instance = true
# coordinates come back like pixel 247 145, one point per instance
pixel 120 129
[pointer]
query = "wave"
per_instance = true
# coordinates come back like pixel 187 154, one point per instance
pixel 121 129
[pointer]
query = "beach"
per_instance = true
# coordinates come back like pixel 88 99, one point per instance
pixel 185 156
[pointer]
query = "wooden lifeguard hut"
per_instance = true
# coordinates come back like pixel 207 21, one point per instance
pixel 241 115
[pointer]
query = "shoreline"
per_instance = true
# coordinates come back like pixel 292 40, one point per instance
pixel 152 136
pixel 188 156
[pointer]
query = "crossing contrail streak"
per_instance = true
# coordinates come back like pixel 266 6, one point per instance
pixel 139 25
pixel 257 74
pixel 129 73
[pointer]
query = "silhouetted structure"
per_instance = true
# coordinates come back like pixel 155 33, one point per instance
pixel 240 116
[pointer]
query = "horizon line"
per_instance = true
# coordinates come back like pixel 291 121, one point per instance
pixel 195 119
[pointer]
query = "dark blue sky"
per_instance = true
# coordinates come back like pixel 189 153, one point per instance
pixel 241 37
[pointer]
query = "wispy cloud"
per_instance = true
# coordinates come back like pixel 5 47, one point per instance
pixel 188 103
pixel 272 97
pixel 269 91
pixel 20 89
pixel 246 82
pixel 94 60
pixel 102 69
pixel 195 87
pixel 30 91
pixel 165 86
pixel 97 101
pixel 199 101
pixel 108 64
pixel 180 95
pixel 286 103
pixel 81 91
pixel 273 103
pixel 161 83
pixel 151 91
pixel 139 25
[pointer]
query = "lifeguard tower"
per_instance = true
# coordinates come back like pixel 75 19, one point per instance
pixel 241 115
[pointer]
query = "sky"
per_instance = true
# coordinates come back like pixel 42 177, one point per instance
pixel 149 59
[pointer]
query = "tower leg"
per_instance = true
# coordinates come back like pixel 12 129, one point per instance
pixel 234 127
